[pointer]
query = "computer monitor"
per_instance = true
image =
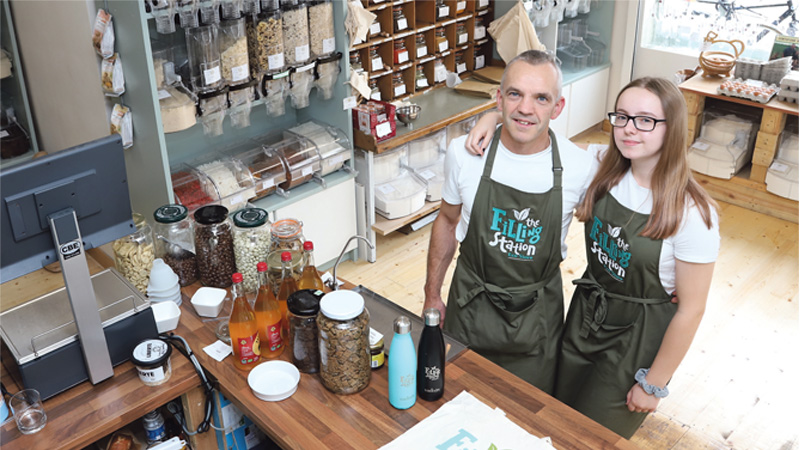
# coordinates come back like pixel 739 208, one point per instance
pixel 54 209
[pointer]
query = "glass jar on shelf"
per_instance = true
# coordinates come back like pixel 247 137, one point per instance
pixel 482 5
pixel 233 52
pixel 204 61
pixel 303 307
pixel 461 63
pixel 295 32
pixel 375 60
pixel 441 40
pixel 421 45
pixel 461 6
pixel 134 254
pixel 399 18
pixel 439 71
pixel 355 62
pixel 375 92
pixel 398 85
pixel 480 59
pixel 375 27
pixel 343 326
pixel 251 242
pixel 442 10
pixel 173 233
pixel 462 35
pixel 213 243
pixel 480 30
pixel 320 28
pixel 420 80
pixel 400 52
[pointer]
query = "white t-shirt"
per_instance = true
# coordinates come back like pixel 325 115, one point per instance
pixel 527 173
pixel 694 242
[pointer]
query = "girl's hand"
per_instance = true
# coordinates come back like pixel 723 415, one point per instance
pixel 640 401
pixel 481 134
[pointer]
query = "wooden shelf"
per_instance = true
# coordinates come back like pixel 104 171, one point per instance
pixel 384 226
pixel 753 195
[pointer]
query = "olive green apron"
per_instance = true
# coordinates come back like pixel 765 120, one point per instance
pixel 618 316
pixel 506 297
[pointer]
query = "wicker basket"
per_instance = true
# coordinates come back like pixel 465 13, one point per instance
pixel 717 62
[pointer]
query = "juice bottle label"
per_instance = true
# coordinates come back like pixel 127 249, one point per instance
pixel 249 349
pixel 274 340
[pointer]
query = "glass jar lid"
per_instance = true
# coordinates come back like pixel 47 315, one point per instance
pixel 151 353
pixel 304 302
pixel 342 305
pixel 250 217
pixel 287 228
pixel 171 213
pixel 211 214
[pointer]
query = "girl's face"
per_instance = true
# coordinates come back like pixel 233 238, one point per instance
pixel 640 147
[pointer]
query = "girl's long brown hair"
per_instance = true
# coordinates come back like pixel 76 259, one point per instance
pixel 672 183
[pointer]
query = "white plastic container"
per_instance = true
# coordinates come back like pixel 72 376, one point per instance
pixel 152 360
pixel 725 146
pixel 433 175
pixel 388 166
pixel 425 151
pixel 782 175
pixel 167 315
pixel 208 301
pixel 400 197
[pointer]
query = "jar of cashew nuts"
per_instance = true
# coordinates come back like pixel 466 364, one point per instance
pixel 134 254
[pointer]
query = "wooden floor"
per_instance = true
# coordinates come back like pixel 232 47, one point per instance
pixel 739 386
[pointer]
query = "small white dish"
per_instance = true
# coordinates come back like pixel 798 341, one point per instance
pixel 167 315
pixel 207 301
pixel 273 381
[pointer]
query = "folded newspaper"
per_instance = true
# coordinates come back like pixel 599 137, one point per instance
pixel 467 423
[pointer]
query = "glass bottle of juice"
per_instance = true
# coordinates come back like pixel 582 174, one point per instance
pixel 243 328
pixel 310 278
pixel 287 287
pixel 268 316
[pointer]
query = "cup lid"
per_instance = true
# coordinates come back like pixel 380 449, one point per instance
pixel 211 214
pixel 250 217
pixel 304 302
pixel 170 213
pixel 342 305
pixel 151 353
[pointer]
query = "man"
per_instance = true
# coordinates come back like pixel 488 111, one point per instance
pixel 510 211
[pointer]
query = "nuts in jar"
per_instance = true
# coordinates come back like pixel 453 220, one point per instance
pixel 344 342
pixel 214 246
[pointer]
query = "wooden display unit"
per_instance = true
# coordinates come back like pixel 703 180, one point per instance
pixel 746 189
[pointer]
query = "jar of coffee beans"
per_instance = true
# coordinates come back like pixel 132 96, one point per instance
pixel 344 351
pixel 303 307
pixel 251 243
pixel 213 242
pixel 174 241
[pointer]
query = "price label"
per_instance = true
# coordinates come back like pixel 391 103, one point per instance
pixel 211 76
pixel 402 24
pixel 444 11
pixel 702 146
pixel 377 64
pixel 480 32
pixel 399 90
pixel 440 73
pixel 349 103
pixel 307 171
pixel 266 184
pixel 375 28
pixel 483 3
pixel 462 38
pixel 480 61
pixel 422 51
pixel 427 174
pixel 442 46
pixel 461 6
pixel 383 129
pixel 336 160
pixel 402 57
pixel 328 45
pixel 275 61
pixel 779 167
pixel 239 73
pixel 162 94
pixel 461 68
pixel 375 96
pixel 386 189
pixel 422 83
pixel 301 53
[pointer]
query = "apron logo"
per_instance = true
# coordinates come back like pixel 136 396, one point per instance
pixel 516 237
pixel 611 250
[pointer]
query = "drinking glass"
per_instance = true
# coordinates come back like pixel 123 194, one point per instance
pixel 28 411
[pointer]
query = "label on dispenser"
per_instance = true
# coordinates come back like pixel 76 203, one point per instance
pixel 329 45
pixel 275 62
pixel 301 53
pixel 239 73
pixel 211 76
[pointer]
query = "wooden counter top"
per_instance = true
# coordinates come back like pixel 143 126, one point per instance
pixel 708 87
pixel 315 418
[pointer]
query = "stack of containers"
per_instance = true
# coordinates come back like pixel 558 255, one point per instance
pixel 398 193
pixel 426 161
pixel 782 175
pixel 789 87
pixel 333 146
pixel 725 145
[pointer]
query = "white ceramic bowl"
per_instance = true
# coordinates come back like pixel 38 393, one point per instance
pixel 208 301
pixel 273 381
pixel 161 276
pixel 167 315
pixel 166 293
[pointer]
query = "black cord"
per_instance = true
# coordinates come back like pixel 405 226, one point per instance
pixel 183 347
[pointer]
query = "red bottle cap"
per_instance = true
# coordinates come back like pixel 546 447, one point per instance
pixel 261 267
pixel 286 256
pixel 308 245
pixel 237 277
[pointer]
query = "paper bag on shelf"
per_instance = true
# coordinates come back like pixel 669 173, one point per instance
pixel 360 82
pixel 357 21
pixel 490 74
pixel 514 33
pixel 477 88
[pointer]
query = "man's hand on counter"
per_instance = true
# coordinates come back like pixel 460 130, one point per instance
pixel 435 302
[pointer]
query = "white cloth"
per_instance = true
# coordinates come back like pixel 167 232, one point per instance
pixel 694 242
pixel 528 173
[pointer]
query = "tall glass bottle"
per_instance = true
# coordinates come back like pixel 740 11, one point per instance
pixel 430 362
pixel 402 366
pixel 310 278
pixel 243 328
pixel 287 287
pixel 268 316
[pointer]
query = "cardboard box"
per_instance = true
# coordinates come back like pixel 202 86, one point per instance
pixel 240 432
pixel 380 126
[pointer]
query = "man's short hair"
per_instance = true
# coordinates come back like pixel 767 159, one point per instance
pixel 535 58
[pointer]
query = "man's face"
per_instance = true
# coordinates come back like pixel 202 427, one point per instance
pixel 528 101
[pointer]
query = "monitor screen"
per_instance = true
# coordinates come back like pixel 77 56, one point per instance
pixel 89 178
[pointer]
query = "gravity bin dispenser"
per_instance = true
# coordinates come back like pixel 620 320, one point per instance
pixel 54 209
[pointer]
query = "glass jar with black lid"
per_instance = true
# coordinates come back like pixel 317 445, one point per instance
pixel 173 231
pixel 251 241
pixel 303 307
pixel 213 243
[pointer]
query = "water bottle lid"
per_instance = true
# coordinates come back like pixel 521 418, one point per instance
pixel 402 325
pixel 431 316
pixel 237 277
pixel 286 256
pixel 308 245
pixel 261 266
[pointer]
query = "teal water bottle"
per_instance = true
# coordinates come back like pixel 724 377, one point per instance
pixel 402 366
